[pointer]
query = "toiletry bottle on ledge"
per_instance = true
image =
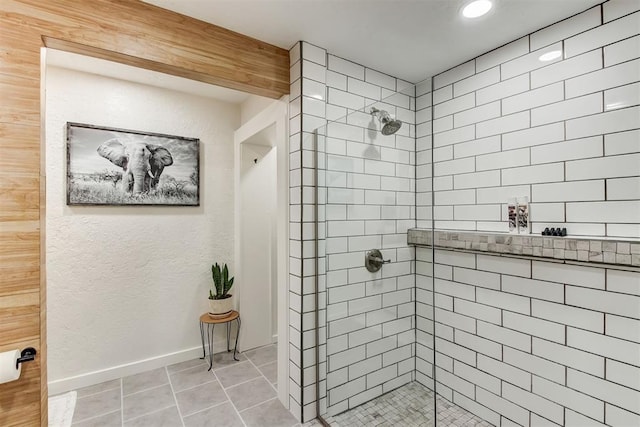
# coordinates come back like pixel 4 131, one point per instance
pixel 524 223
pixel 512 214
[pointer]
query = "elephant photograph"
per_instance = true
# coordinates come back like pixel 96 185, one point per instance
pixel 108 166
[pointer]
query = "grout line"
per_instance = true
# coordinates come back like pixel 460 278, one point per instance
pixel 98 392
pixel 265 364
pixel 267 379
pixel 258 404
pixel 202 361
pixel 242 383
pixel 231 402
pixel 207 408
pixel 121 401
pixel 75 423
pixel 230 366
pixel 149 413
pixel 173 393
pixel 198 385
pixel 143 390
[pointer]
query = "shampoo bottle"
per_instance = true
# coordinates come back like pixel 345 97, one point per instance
pixel 524 224
pixel 512 214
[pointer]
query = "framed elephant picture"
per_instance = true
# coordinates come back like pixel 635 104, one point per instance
pixel 108 166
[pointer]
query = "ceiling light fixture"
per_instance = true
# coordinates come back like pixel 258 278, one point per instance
pixel 477 8
pixel 550 56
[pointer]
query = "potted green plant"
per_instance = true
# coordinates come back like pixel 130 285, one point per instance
pixel 220 302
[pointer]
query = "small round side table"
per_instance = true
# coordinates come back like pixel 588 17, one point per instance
pixel 210 323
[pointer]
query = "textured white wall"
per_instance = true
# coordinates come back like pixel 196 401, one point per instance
pixel 128 283
pixel 253 105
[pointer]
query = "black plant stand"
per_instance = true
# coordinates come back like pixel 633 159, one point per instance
pixel 211 322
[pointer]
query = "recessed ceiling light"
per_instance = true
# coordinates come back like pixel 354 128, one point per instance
pixel 550 56
pixel 477 8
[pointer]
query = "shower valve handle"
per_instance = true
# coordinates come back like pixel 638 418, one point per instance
pixel 373 260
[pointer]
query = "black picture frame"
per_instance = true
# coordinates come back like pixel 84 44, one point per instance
pixel 119 167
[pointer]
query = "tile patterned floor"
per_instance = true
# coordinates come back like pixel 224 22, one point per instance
pixel 242 394
pixel 409 406
pixel 232 394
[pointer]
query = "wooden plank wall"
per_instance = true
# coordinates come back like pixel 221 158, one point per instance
pixel 130 32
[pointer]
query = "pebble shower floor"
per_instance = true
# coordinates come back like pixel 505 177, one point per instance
pixel 409 406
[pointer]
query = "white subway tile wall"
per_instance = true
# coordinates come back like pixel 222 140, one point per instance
pixel 517 341
pixel 366 189
pixel 424 152
pixel 522 341
pixel 309 90
pixel 537 347
pixel 296 105
pixel 564 131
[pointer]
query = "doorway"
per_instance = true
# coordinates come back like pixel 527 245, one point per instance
pixel 261 188
pixel 258 250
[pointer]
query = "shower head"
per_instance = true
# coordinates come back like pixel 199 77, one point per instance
pixel 389 125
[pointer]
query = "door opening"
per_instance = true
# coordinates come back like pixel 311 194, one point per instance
pixel 261 252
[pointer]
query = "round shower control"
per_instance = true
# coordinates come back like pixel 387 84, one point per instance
pixel 373 260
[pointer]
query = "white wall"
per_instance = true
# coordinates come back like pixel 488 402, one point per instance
pixel 535 342
pixel 424 280
pixel 370 199
pixel 366 202
pixel 521 341
pixel 258 244
pixel 253 105
pixel 563 132
pixel 125 284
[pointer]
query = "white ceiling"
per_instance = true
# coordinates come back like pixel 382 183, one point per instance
pixel 410 39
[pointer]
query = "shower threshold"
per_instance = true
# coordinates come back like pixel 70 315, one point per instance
pixel 409 406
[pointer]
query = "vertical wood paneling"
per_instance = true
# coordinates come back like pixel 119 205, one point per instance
pixel 130 32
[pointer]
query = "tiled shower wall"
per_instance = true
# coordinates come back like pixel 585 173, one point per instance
pixel 563 132
pixel 424 285
pixel 302 264
pixel 424 155
pixel 366 201
pixel 370 199
pixel 533 342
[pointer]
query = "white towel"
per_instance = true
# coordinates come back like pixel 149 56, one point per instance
pixel 61 409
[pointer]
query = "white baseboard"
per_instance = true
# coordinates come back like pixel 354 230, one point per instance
pixel 96 377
